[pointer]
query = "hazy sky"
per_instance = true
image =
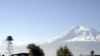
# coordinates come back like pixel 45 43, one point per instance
pixel 38 20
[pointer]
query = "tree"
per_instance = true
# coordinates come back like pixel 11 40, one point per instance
pixel 35 50
pixel 63 51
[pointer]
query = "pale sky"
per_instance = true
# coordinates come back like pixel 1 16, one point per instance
pixel 35 21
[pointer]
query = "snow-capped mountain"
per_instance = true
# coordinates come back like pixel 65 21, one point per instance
pixel 80 40
pixel 84 34
pixel 78 33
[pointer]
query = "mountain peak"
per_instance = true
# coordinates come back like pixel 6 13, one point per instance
pixel 81 33
pixel 80 28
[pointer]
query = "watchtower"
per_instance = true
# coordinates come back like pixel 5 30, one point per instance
pixel 10 45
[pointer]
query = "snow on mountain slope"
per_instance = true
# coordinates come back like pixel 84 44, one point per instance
pixel 85 34
pixel 79 33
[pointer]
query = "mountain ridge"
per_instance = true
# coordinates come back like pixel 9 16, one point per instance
pixel 79 33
